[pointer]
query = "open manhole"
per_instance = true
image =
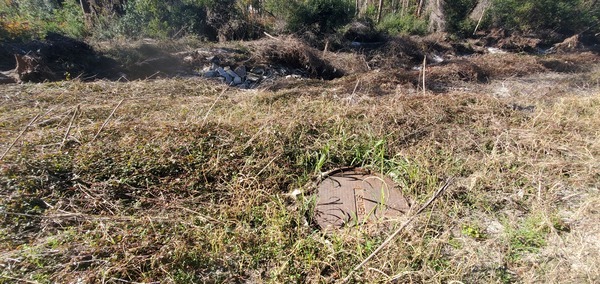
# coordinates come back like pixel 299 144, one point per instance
pixel 349 197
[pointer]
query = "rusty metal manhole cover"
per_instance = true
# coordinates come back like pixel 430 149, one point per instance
pixel 349 197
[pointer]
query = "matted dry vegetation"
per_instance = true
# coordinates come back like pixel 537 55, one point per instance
pixel 189 182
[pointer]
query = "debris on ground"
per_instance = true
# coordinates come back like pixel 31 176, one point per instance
pixel 354 196
pixel 261 61
pixel 570 44
pixel 279 60
pixel 57 57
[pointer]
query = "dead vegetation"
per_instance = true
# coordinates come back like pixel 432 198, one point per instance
pixel 184 180
pixel 293 53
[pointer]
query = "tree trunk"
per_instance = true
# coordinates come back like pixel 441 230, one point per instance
pixel 379 10
pixel 85 8
pixel 420 8
pixel 479 10
pixel 437 16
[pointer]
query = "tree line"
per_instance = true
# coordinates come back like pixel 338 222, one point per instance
pixel 246 19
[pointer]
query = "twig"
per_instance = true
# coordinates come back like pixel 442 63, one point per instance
pixel 392 236
pixel 424 66
pixel 366 63
pixel 479 22
pixel 89 217
pixel 126 281
pixel 268 164
pixel 355 87
pixel 19 137
pixel 212 106
pixel 199 215
pixel 271 36
pixel 107 119
pixel 150 77
pixel 69 127
pixel 18 279
pixel 177 33
pixel 249 142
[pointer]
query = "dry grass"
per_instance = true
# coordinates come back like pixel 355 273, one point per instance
pixel 293 53
pixel 187 183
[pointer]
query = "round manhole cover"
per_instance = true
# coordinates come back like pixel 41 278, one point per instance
pixel 354 196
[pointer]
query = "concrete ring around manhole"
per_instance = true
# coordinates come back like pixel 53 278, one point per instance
pixel 355 196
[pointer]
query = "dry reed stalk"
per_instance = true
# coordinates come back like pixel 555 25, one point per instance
pixel 424 66
pixel 20 134
pixel 69 127
pixel 107 119
pixel 212 106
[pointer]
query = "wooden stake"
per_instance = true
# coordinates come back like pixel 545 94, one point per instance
pixel 424 66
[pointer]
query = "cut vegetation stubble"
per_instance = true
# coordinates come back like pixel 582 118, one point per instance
pixel 187 182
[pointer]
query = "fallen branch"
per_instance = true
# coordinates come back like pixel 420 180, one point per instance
pixel 62 145
pixel 107 119
pixel 19 136
pixel 392 236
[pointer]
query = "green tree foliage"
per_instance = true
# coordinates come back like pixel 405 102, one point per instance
pixel 397 23
pixel 234 19
pixel 163 18
pixel 35 18
pixel 563 16
pixel 457 16
pixel 320 16
pixel 211 19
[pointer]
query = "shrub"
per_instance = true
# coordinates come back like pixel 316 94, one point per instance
pixel 563 16
pixel 206 18
pixel 403 24
pixel 69 20
pixel 321 16
pixel 156 18
pixel 457 17
pixel 35 18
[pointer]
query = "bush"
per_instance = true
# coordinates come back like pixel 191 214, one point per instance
pixel 403 24
pixel 210 19
pixel 162 19
pixel 36 18
pixel 563 16
pixel 457 17
pixel 320 16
